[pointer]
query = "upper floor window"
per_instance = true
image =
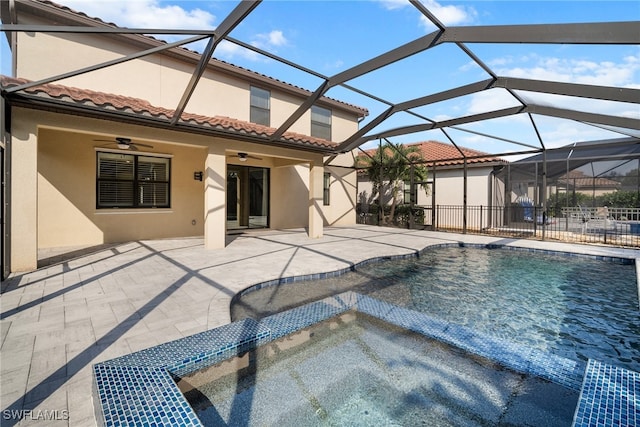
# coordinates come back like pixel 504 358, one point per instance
pixel 260 112
pixel 132 181
pixel 321 122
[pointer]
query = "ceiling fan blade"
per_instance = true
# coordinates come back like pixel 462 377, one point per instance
pixel 139 144
pixel 249 156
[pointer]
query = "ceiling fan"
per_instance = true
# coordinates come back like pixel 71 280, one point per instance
pixel 244 156
pixel 124 143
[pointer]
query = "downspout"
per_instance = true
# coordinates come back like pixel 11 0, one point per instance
pixel 5 190
pixel 13 38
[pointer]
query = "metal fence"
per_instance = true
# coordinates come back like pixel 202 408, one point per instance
pixel 618 227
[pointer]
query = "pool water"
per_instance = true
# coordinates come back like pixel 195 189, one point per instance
pixel 356 370
pixel 574 307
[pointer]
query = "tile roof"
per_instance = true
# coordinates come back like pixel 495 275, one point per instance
pixel 361 110
pixel 141 108
pixel 581 180
pixel 447 155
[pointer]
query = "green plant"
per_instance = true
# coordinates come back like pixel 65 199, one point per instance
pixel 388 168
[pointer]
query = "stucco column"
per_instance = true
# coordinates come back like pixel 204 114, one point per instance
pixel 215 198
pixel 24 195
pixel 316 174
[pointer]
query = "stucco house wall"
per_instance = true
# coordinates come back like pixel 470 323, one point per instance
pixel 53 152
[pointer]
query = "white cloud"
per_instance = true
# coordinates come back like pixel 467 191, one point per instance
pixel 448 15
pixel 491 100
pixel 394 4
pixel 144 14
pixel 570 70
pixel 151 14
pixel 273 39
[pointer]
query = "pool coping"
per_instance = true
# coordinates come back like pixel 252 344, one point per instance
pixel 139 389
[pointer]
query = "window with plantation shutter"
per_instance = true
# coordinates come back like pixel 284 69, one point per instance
pixel 132 181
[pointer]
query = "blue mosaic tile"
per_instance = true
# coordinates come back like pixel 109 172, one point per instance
pixel 135 395
pixel 566 372
pixel 293 320
pixel 208 345
pixel 515 356
pixel 610 396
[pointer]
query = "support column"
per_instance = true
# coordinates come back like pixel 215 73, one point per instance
pixel 215 217
pixel 316 182
pixel 24 195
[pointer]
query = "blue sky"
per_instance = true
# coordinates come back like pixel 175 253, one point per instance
pixel 331 36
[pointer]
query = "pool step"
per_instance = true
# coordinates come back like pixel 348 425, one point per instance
pixel 610 396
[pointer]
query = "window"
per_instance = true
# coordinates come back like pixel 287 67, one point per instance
pixel 321 122
pixel 326 191
pixel 260 112
pixel 132 181
pixel 408 194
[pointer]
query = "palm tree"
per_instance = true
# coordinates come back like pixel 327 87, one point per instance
pixel 389 167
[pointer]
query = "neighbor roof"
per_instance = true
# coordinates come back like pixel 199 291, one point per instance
pixel 68 99
pixel 444 154
pixel 579 179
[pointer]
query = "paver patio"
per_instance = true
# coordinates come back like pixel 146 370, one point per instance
pixel 60 320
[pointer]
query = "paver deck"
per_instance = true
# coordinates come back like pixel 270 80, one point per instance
pixel 61 319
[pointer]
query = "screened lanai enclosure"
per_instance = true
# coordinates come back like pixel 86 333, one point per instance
pixel 584 189
pixel 585 192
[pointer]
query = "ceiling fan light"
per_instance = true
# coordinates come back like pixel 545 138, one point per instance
pixel 123 146
pixel 242 157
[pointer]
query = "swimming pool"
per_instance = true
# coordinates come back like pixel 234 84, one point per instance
pixel 574 307
pixel 354 369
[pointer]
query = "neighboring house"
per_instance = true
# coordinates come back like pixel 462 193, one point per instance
pixel 446 165
pixel 592 168
pixel 99 157
pixel 578 181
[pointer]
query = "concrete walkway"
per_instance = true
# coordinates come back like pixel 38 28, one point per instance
pixel 60 320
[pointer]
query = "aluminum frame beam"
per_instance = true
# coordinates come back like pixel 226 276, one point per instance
pixel 104 64
pixel 619 94
pixel 581 116
pixel 241 11
pixel 619 33
pixel 421 44
pixel 403 130
pixel 581 33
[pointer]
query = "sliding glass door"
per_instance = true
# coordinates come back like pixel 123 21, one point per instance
pixel 247 197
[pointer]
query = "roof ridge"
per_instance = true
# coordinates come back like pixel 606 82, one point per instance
pixel 141 106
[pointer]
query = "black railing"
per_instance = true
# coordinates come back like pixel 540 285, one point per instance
pixel 519 221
